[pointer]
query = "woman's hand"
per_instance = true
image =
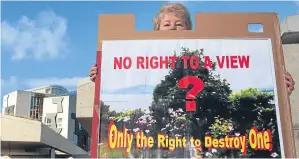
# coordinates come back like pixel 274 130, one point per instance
pixel 289 82
pixel 93 72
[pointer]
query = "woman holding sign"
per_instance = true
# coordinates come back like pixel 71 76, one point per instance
pixel 177 17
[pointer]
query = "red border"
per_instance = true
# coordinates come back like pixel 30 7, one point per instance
pixel 95 116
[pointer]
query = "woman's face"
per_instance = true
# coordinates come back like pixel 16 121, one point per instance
pixel 171 22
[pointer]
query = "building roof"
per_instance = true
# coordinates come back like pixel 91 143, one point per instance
pixel 49 86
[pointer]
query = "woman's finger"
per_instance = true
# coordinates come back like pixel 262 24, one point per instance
pixel 289 78
pixel 290 86
pixel 92 78
pixel 289 83
pixel 290 91
pixel 93 71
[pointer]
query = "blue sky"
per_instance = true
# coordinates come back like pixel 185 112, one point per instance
pixel 55 42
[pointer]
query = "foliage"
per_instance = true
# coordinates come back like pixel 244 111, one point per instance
pixel 212 101
pixel 221 127
pixel 252 107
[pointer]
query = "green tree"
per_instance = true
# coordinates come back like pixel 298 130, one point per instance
pixel 212 101
pixel 252 107
pixel 219 111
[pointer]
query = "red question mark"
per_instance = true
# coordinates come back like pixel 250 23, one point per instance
pixel 198 86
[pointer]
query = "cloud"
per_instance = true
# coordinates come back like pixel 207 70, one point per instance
pixel 39 38
pixel 66 82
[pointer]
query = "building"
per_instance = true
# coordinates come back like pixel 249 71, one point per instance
pixel 290 41
pixel 48 109
pixel 85 102
pixel 59 113
pixel 27 138
pixel 33 97
pixel 24 103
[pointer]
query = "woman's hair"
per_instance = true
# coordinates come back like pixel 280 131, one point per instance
pixel 178 9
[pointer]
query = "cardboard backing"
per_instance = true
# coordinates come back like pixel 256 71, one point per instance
pixel 207 26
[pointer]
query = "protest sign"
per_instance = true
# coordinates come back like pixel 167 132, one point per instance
pixel 216 91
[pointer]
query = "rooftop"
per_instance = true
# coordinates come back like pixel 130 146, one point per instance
pixel 49 86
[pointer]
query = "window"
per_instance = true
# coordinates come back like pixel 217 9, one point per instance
pixel 75 139
pixel 58 91
pixel 48 90
pixel 59 123
pixel 36 107
pixel 59 120
pixel 37 102
pixel 32 102
pixel 84 141
pixel 80 126
pixel 54 91
pixel 48 121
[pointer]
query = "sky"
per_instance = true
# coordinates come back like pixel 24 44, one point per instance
pixel 46 43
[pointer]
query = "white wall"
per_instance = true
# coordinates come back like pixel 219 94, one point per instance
pixel 291 57
pixel 23 103
pixel 9 100
pixel 290 24
pixel 68 125
pixel 21 100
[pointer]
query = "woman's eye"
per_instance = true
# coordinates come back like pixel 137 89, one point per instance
pixel 179 24
pixel 166 24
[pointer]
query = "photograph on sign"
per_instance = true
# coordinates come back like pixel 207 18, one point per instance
pixel 185 98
